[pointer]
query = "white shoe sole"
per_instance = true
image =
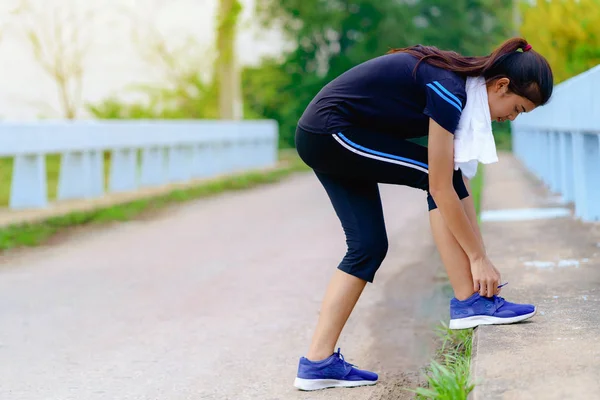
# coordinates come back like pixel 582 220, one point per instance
pixel 472 322
pixel 317 384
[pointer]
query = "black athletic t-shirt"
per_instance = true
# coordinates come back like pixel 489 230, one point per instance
pixel 384 95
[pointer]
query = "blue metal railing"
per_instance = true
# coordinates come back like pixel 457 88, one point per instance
pixel 143 154
pixel 560 143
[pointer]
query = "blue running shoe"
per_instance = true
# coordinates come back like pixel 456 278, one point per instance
pixel 478 310
pixel 334 371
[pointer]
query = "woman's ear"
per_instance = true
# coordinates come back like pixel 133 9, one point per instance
pixel 501 85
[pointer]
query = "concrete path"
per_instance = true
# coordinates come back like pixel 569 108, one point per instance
pixel 215 299
pixel 554 264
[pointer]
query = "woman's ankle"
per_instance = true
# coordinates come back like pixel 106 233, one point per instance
pixel 463 295
pixel 318 355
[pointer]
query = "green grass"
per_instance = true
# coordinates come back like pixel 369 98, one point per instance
pixel 39 232
pixel 448 376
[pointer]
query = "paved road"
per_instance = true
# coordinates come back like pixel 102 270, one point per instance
pixel 215 299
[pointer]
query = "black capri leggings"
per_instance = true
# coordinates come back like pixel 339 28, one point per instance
pixel 350 164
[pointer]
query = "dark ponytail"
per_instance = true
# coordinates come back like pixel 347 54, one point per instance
pixel 529 73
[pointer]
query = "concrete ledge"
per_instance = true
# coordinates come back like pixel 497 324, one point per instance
pixel 554 264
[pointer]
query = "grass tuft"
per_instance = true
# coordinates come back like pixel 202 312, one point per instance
pixel 448 377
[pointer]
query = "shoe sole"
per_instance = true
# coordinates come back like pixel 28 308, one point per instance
pixel 317 384
pixel 472 322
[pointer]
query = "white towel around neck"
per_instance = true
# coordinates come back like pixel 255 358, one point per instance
pixel 473 139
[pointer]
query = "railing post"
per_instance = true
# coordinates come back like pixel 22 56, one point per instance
pixel 97 173
pixel 539 150
pixel 201 160
pixel 273 145
pixel 29 188
pixel 123 170
pixel 578 168
pixel 229 157
pixel 237 154
pixel 219 151
pixel 555 162
pixel 566 163
pixel 176 164
pixel 153 166
pixel 81 175
pixel 546 159
pixel 188 161
pixel 591 177
pixel 586 155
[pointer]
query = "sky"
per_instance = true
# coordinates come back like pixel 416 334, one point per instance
pixel 114 58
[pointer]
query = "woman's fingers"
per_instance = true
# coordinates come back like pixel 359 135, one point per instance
pixel 483 287
pixel 479 286
pixel 486 287
pixel 486 279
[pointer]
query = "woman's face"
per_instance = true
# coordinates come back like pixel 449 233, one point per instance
pixel 505 105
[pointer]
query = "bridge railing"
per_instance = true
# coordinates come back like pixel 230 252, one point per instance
pixel 560 143
pixel 142 154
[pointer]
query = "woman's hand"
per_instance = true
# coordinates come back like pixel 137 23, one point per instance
pixel 486 277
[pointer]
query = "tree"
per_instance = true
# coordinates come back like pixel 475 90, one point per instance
pixel 186 89
pixel 566 32
pixel 59 39
pixel 226 70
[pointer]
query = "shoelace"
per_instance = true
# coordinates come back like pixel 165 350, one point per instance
pixel 499 301
pixel 346 363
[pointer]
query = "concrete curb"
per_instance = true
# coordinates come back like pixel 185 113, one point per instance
pixel 474 359
pixel 553 263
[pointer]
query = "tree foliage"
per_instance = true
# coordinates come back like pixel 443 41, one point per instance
pixel 190 97
pixel 566 32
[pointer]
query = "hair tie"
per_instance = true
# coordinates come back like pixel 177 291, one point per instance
pixel 527 47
